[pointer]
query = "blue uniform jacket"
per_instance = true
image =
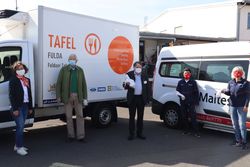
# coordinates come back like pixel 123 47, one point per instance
pixel 189 90
pixel 238 92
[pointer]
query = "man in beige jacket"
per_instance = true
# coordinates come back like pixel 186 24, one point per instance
pixel 71 89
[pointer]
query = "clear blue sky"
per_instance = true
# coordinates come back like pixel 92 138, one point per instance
pixel 128 11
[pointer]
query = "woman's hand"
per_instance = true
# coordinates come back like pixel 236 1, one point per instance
pixel 245 109
pixel 16 113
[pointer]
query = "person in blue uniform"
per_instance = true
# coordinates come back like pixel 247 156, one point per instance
pixel 187 90
pixel 238 92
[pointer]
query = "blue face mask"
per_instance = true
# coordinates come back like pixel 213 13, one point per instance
pixel 72 62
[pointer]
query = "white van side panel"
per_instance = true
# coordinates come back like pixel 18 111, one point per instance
pixel 212 109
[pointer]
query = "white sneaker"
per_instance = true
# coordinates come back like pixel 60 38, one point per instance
pixel 15 148
pixel 21 151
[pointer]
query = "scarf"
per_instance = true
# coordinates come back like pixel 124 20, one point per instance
pixel 24 80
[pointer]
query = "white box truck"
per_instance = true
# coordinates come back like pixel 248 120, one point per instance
pixel 44 38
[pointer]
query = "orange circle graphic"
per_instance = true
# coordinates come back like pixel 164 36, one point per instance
pixel 92 44
pixel 120 55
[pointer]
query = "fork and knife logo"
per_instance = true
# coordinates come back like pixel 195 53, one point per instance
pixel 92 44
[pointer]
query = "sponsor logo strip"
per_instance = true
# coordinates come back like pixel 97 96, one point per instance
pixel 219 120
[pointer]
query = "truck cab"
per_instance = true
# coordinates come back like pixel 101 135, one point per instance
pixel 10 52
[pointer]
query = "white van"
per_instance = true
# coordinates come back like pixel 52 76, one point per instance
pixel 44 38
pixel 211 66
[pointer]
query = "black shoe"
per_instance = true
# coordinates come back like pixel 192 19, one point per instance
pixel 130 137
pixel 186 133
pixel 69 140
pixel 197 135
pixel 82 140
pixel 141 137
pixel 244 146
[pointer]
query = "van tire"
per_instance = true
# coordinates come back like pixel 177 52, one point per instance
pixel 172 116
pixel 103 116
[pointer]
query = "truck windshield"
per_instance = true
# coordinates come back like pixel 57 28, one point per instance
pixel 8 56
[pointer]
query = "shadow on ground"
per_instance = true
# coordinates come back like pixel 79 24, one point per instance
pixel 109 147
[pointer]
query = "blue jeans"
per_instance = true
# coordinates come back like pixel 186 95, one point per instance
pixel 239 118
pixel 20 121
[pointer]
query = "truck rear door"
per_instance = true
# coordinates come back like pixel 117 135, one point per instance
pixel 10 52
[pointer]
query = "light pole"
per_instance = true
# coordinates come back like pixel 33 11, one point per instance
pixel 16 5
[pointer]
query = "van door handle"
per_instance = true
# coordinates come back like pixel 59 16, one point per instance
pixel 168 85
pixel 164 85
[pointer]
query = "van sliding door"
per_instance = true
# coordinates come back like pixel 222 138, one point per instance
pixel 213 77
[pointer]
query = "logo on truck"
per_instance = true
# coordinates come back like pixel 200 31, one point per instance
pixel 120 55
pixel 92 44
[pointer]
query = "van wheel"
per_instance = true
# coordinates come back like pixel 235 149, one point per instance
pixel 171 116
pixel 103 116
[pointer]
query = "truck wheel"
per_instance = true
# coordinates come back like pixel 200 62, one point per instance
pixel 171 116
pixel 103 116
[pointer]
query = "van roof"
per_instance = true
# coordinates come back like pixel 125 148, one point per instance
pixel 209 49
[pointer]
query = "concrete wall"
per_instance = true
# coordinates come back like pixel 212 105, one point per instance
pixel 244 32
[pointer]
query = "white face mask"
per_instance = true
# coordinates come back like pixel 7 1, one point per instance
pixel 20 72
pixel 138 70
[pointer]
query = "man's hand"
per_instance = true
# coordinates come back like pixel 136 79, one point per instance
pixel 85 102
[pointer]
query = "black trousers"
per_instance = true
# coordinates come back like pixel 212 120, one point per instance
pixel 137 105
pixel 188 110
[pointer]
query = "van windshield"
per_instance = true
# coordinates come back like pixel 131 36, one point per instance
pixel 8 56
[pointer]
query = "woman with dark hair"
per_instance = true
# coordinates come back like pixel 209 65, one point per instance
pixel 21 102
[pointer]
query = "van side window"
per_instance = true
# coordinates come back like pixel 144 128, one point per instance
pixel 8 56
pixel 220 71
pixel 175 69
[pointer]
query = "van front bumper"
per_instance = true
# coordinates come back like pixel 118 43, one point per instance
pixel 156 107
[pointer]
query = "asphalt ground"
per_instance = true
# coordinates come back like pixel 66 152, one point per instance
pixel 109 147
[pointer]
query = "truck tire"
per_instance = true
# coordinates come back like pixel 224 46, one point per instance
pixel 103 116
pixel 172 116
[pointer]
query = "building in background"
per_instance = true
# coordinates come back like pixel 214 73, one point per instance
pixel 215 22
pixel 230 19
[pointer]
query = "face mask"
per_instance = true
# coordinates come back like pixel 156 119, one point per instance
pixel 238 74
pixel 138 70
pixel 187 76
pixel 20 72
pixel 72 62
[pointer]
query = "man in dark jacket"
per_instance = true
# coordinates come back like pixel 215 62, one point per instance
pixel 137 97
pixel 187 90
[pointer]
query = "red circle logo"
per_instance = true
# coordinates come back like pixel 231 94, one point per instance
pixel 120 55
pixel 92 44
